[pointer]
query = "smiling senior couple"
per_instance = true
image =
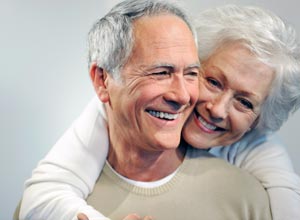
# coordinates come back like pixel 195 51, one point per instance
pixel 151 146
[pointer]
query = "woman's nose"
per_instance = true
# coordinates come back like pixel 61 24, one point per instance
pixel 218 107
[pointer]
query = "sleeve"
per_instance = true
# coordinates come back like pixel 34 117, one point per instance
pixel 266 159
pixel 66 176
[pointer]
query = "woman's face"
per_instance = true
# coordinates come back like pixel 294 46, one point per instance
pixel 233 88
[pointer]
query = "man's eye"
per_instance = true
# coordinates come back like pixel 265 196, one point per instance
pixel 214 82
pixel 246 103
pixel 161 73
pixel 192 73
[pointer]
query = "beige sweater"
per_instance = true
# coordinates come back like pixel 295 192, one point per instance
pixel 204 188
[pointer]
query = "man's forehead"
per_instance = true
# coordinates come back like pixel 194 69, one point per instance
pixel 159 23
pixel 162 32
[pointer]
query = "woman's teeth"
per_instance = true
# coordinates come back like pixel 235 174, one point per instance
pixel 205 124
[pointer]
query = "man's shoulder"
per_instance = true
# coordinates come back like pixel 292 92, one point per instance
pixel 203 162
pixel 226 181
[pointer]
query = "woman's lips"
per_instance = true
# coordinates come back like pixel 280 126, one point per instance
pixel 205 125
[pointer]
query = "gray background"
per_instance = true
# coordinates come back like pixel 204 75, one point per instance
pixel 45 83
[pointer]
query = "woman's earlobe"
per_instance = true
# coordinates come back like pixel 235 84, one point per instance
pixel 254 124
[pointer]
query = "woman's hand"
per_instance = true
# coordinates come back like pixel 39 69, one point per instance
pixel 137 217
pixel 82 216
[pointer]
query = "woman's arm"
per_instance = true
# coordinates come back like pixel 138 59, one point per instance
pixel 64 178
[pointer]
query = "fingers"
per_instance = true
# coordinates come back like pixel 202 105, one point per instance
pixel 132 217
pixel 137 217
pixel 82 216
pixel 148 218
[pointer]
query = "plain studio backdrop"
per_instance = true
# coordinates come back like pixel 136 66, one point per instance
pixel 45 82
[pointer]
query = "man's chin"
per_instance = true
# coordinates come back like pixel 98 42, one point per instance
pixel 169 143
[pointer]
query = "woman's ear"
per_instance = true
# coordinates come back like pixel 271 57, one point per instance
pixel 254 124
pixel 99 79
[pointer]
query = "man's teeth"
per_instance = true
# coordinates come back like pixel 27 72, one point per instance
pixel 163 115
pixel 205 124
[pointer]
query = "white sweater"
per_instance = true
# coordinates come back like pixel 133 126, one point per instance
pixel 67 175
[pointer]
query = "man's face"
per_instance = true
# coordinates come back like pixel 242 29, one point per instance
pixel 159 85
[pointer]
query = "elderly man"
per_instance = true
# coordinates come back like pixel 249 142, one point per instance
pixel 144 67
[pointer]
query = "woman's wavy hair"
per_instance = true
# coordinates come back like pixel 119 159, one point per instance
pixel 273 42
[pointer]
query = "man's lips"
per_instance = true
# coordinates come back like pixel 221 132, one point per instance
pixel 163 115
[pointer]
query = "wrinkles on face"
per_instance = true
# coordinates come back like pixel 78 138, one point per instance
pixel 145 102
pixel 233 87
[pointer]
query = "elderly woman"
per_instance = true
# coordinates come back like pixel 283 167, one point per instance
pixel 248 88
pixel 241 49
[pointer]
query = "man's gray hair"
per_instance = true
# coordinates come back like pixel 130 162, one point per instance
pixel 110 41
pixel 271 40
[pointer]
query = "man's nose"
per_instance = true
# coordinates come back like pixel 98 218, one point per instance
pixel 178 94
pixel 219 106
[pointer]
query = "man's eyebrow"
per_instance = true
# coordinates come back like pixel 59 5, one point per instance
pixel 194 65
pixel 168 65
pixel 153 67
pixel 165 65
pixel 172 67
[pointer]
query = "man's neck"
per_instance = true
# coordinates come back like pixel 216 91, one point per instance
pixel 141 165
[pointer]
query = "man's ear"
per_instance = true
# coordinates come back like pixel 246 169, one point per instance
pixel 99 79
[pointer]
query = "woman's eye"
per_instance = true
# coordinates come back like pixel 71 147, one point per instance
pixel 246 103
pixel 214 82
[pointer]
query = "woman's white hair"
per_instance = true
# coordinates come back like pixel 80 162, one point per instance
pixel 271 40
